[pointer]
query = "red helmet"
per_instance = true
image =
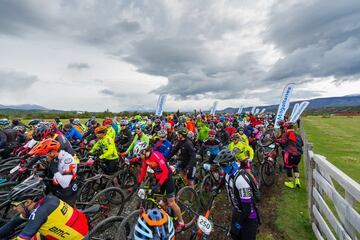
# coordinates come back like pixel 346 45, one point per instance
pixel 44 147
pixel 212 132
pixel 41 132
pixel 288 125
pixel 107 121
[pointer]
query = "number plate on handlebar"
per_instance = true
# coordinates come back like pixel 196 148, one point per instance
pixel 204 225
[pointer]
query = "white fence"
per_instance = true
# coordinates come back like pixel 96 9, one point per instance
pixel 333 198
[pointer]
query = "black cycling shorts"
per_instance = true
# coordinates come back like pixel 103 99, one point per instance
pixel 169 187
pixel 190 170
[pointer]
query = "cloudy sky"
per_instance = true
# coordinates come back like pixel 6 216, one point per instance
pixel 121 54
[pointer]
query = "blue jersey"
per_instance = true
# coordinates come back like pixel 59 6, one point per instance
pixel 73 134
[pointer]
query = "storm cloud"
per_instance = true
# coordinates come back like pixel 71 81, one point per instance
pixel 16 81
pixel 197 49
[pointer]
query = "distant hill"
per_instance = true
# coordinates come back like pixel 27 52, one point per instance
pixel 316 103
pixel 24 107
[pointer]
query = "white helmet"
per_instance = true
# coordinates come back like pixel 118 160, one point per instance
pixel 139 146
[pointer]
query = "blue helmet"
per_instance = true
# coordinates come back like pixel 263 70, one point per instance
pixel 154 224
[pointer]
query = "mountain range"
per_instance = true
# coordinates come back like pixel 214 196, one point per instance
pixel 316 103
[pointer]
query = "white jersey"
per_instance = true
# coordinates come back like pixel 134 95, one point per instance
pixel 242 187
pixel 67 169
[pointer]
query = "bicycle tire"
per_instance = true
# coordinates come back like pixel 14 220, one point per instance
pixel 205 189
pixel 267 172
pixel 110 197
pixel 189 203
pixel 127 179
pixel 104 225
pixel 126 229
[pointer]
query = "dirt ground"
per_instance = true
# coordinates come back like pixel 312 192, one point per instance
pixel 221 214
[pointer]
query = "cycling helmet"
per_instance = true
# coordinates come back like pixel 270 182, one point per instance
pixel 212 132
pixel 139 147
pixel 157 121
pixel 45 146
pixel 71 120
pixel 41 131
pixel 154 224
pixel 20 129
pixel 190 134
pixel 33 188
pixel 16 122
pixel 235 136
pixel 288 125
pixel 4 123
pixel 167 125
pixel 57 119
pixel 241 128
pixel 162 133
pixel 76 121
pixel 123 122
pixel 53 127
pixel 34 122
pixel 137 118
pixel 101 130
pixel 141 126
pixel 107 121
pixel 219 125
pixel 224 156
pixel 182 131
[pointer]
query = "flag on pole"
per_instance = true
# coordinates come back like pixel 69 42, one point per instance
pixel 213 109
pixel 299 111
pixel 160 104
pixel 240 109
pixel 284 103
pixel 296 106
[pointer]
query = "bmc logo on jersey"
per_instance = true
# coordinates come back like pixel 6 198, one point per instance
pixel 59 232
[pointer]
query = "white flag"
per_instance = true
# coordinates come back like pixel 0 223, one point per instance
pixel 213 109
pixel 160 104
pixel 263 110
pixel 284 103
pixel 296 106
pixel 257 110
pixel 253 109
pixel 299 111
pixel 240 109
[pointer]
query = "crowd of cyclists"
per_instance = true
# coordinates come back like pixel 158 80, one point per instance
pixel 45 206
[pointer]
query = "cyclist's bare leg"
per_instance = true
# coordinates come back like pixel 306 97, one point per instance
pixel 173 205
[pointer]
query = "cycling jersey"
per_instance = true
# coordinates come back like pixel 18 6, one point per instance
pixel 156 162
pixel 213 146
pixel 241 155
pixel 73 134
pixel 243 136
pixel 107 148
pixel 111 132
pixel 64 143
pixel 55 220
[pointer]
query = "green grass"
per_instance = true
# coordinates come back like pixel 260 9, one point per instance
pixel 292 212
pixel 338 139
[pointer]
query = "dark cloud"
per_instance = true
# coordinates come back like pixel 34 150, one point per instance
pixel 78 66
pixel 318 39
pixel 107 92
pixel 16 81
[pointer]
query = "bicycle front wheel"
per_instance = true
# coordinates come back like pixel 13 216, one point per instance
pixel 267 171
pixel 106 229
pixel 189 203
pixel 126 229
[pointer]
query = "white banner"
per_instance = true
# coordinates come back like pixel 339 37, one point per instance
pixel 253 109
pixel 213 109
pixel 257 110
pixel 240 109
pixel 284 103
pixel 160 104
pixel 299 111
pixel 263 110
pixel 296 106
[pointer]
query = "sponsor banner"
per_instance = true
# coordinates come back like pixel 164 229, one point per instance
pixel 257 110
pixel 252 110
pixel 240 109
pixel 296 106
pixel 262 110
pixel 160 104
pixel 284 103
pixel 213 109
pixel 299 111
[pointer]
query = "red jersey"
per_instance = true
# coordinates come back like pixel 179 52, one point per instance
pixel 156 162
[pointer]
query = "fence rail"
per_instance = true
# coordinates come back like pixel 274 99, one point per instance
pixel 332 197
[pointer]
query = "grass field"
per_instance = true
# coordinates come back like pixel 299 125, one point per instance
pixel 338 139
